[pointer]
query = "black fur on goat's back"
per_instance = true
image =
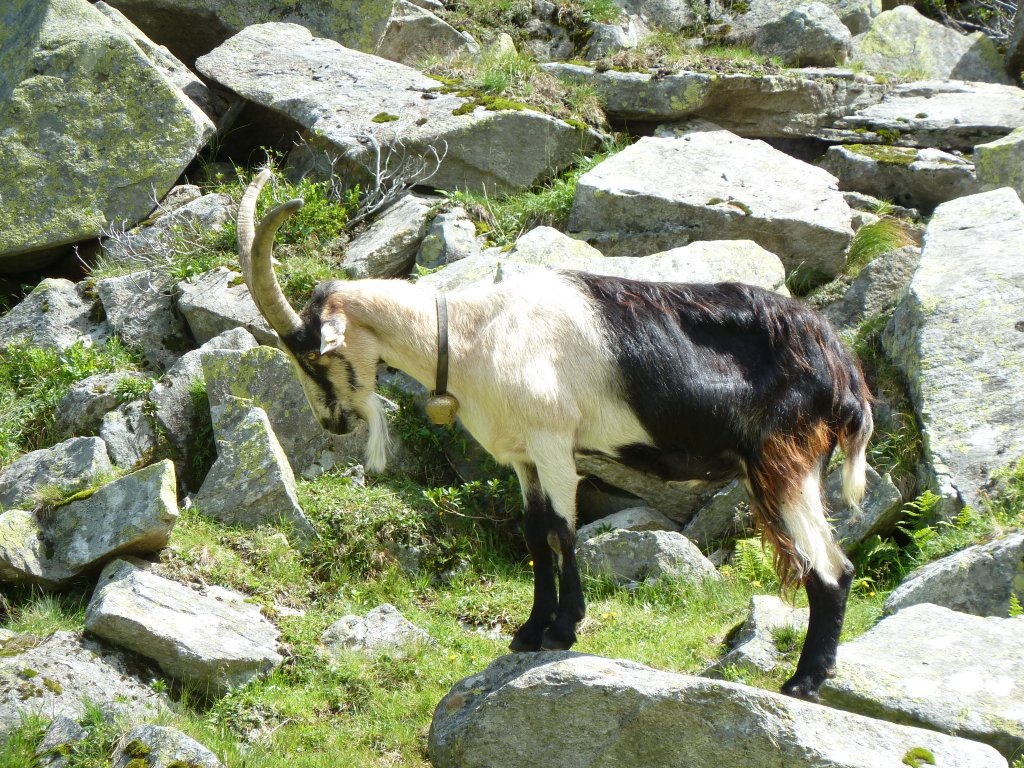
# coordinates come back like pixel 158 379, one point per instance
pixel 711 369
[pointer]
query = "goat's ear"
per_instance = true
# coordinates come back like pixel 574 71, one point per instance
pixel 332 333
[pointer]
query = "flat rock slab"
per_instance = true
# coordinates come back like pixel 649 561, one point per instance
pixel 628 557
pixel 212 640
pixel 640 201
pixel 624 715
pixel 68 671
pixel 56 315
pixel 218 301
pixel 933 667
pixel 342 96
pixel 979 580
pixel 948 114
pixel 956 337
pixel 68 467
pixel 1000 163
pixel 132 515
pixel 91 129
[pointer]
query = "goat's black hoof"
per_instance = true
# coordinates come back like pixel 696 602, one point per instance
pixel 558 639
pixel 804 687
pixel 526 639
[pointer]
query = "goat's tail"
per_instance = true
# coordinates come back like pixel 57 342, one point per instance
pixel 853 439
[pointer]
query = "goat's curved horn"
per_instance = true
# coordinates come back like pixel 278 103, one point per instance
pixel 255 249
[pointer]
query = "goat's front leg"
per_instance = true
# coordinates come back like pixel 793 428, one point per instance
pixel 530 635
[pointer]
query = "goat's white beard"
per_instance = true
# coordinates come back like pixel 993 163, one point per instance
pixel 378 443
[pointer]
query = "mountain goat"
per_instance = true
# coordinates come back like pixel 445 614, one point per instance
pixel 697 382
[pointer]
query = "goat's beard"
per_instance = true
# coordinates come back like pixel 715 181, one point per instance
pixel 378 442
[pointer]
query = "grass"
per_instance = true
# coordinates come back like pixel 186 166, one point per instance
pixel 874 240
pixel 668 53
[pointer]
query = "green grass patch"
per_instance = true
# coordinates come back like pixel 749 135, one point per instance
pixel 874 240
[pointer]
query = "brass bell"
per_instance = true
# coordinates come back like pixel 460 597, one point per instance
pixel 441 409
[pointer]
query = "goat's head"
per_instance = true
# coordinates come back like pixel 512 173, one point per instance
pixel 336 360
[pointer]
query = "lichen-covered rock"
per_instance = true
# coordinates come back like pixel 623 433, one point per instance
pixel 877 289
pixel 414 34
pixel 451 237
pixel 217 301
pixel 726 515
pixel 1000 163
pixel 55 315
pixel 855 14
pixel 810 35
pixel 69 671
pixel 66 468
pixel 388 247
pixel 62 734
pixel 341 96
pixel 878 513
pixel 81 410
pixel 634 519
pixel 625 715
pixel 132 437
pixel 210 639
pixel 141 312
pixel 956 338
pixel 91 129
pixel 980 580
pixel 382 630
pixel 902 41
pixel 132 515
pixel 633 556
pixel 754 646
pixel 636 203
pixel 251 483
pixel 947 671
pixel 162 748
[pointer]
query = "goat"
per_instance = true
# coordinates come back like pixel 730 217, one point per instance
pixel 697 382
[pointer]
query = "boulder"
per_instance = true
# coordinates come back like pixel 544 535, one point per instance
pixel 947 114
pixel 748 18
pixel 919 178
pixel 218 301
pixel 947 671
pixel 979 580
pixel 956 338
pixel 69 671
pixel 624 714
pixel 251 483
pixel 81 410
pixel 670 15
pixel 356 104
pixel 210 639
pixel 876 290
pixel 754 646
pixel 132 436
pixel 141 313
pixel 810 35
pixel 635 519
pixel 59 739
pixel 382 630
pixel 878 513
pixel 268 379
pixel 132 515
pixel 163 748
pixel 633 556
pixel 797 104
pixel 55 315
pixel 414 34
pixel 636 202
pixel 451 237
pixel 1000 163
pixel 91 130
pixel 66 468
pixel 902 42
pixel 725 516
pixel 388 246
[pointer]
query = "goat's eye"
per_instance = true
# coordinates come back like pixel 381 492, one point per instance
pixel 312 356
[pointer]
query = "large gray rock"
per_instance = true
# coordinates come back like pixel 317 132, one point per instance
pixel 624 715
pixel 382 630
pixel 547 248
pixel 132 436
pixel 55 315
pixel 141 312
pixel 933 667
pixel 877 289
pixel 251 483
pixel 70 671
pixel 810 35
pixel 348 99
pixel 267 378
pixel 980 580
pixel 414 34
pixel 946 114
pixel 754 646
pixel 725 516
pixel 388 246
pixel 1000 163
pixel 81 410
pixel 451 237
pixel 62 734
pixel 627 557
pixel 749 17
pixel 670 15
pixel 903 41
pixel 634 519
pixel 210 639
pixel 878 513
pixel 218 301
pixel 66 468
pixel 132 515
pixel 165 748
pixel 956 338
pixel 636 202
pixel 918 178
pixel 91 129
pixel 797 104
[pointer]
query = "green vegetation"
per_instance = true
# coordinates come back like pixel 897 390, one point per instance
pixel 874 240
pixel 665 52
